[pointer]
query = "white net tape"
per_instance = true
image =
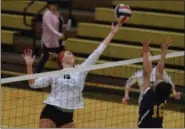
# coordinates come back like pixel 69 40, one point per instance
pixel 87 68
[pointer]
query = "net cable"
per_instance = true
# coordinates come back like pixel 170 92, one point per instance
pixel 87 68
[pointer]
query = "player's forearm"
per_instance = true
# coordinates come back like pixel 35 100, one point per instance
pixel 146 70
pixel 173 88
pixel 30 71
pixel 95 55
pixel 112 33
pixel 127 89
pixel 160 66
pixel 108 39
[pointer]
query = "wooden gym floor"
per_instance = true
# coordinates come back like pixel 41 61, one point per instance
pixel 21 108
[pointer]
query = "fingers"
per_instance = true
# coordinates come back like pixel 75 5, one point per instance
pixel 30 52
pixel 27 52
pixel 124 101
pixel 119 24
pixel 164 44
pixel 169 44
pixel 177 95
pixel 146 41
pixel 168 40
pixel 149 39
pixel 122 20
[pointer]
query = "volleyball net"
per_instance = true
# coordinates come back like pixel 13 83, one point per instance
pixel 103 92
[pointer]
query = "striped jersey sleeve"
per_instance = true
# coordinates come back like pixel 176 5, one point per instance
pixel 95 55
pixel 41 82
pixel 134 79
pixel 167 78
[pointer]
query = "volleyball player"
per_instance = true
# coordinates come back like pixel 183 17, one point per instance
pixel 137 78
pixel 66 92
pixel 154 96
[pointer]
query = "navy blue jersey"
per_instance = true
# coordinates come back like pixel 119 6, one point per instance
pixel 150 111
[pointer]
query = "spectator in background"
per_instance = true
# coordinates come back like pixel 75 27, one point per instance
pixel 52 34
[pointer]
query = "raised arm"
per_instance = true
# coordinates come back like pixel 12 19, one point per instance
pixel 97 53
pixel 146 70
pixel 160 73
pixel 48 22
pixel 160 65
pixel 34 83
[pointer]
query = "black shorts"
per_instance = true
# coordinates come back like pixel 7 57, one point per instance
pixel 150 125
pixel 58 116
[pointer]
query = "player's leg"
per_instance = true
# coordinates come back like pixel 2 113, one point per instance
pixel 47 123
pixel 69 125
pixel 47 117
pixel 65 119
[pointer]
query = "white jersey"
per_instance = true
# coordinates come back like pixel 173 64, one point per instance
pixel 66 90
pixel 138 78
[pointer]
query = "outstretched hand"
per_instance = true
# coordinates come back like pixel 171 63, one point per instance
pixel 116 28
pixel 146 44
pixel 125 100
pixel 177 95
pixel 28 58
pixel 166 44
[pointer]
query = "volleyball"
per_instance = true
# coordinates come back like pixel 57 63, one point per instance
pixel 121 11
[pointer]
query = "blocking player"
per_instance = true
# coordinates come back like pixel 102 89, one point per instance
pixel 152 104
pixel 137 77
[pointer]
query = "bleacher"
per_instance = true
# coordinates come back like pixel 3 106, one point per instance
pixel 156 19
pixel 149 19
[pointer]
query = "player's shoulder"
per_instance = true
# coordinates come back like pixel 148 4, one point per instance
pixel 139 73
pixel 148 99
pixel 148 93
pixel 78 66
pixel 147 90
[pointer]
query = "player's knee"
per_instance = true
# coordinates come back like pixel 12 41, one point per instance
pixel 68 125
pixel 46 123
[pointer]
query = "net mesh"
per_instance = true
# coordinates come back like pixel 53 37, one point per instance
pixel 22 106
